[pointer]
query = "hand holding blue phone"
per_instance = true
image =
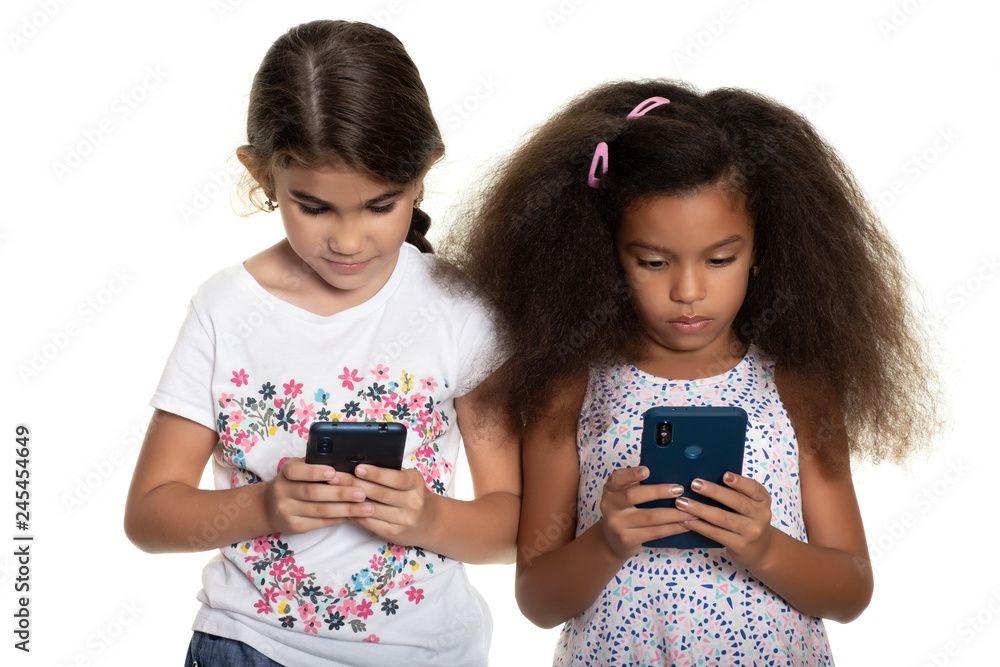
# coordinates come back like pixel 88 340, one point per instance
pixel 681 444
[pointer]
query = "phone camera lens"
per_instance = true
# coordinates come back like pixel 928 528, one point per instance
pixel 325 445
pixel 664 433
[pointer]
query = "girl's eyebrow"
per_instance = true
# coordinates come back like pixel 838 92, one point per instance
pixel 735 238
pixel 374 201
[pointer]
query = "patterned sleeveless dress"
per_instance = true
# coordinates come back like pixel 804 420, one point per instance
pixel 689 607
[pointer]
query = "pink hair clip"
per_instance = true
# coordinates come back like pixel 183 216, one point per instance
pixel 647 105
pixel 600 155
pixel 601 152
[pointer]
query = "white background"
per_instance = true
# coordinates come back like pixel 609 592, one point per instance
pixel 100 256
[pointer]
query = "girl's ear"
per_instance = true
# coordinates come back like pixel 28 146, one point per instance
pixel 256 171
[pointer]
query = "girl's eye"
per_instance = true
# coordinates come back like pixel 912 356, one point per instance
pixel 308 210
pixel 381 210
pixel 652 263
pixel 722 262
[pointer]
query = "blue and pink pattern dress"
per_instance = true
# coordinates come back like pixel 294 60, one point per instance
pixel 689 607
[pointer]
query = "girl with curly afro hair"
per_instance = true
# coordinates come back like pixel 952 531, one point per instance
pixel 654 245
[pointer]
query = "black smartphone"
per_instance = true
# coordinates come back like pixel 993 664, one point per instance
pixel 345 445
pixel 682 443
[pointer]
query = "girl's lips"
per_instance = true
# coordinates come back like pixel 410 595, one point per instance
pixel 685 325
pixel 347 268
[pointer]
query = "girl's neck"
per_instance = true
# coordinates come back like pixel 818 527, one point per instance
pixel 283 273
pixel 690 364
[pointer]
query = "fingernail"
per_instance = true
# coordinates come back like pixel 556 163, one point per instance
pixel 643 472
pixel 361 471
pixel 677 489
pixel 358 494
pixel 697 484
pixel 682 503
pixel 729 478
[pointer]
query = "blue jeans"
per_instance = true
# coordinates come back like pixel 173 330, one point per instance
pixel 210 651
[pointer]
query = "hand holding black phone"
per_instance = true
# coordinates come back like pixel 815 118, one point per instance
pixel 345 445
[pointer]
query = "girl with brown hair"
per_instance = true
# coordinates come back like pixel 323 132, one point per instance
pixel 348 318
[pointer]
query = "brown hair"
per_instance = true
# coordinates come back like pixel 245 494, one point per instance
pixel 341 95
pixel 830 295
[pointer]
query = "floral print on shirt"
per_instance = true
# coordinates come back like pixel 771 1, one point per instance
pixel 300 602
pixel 243 422
pixel 390 583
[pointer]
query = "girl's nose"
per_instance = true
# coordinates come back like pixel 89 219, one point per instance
pixel 346 238
pixel 688 287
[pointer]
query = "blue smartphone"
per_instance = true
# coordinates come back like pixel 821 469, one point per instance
pixel 346 445
pixel 682 443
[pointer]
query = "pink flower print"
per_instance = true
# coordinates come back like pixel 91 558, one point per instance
pixel 415 594
pixel 406 580
pixel 278 402
pixel 377 410
pixel 237 417
pixel 348 607
pixel 371 639
pixel 271 594
pixel 311 625
pixel 429 384
pixel 398 552
pixel 306 410
pixel 306 610
pixel 301 430
pixel 248 443
pixel 277 571
pixel 341 594
pixel 349 377
pixel 415 402
pixel 240 378
pixel 262 607
pixel 376 562
pixel 298 573
pixel 226 399
pixel 287 590
pixel 292 389
pixel 364 609
pixel 381 372
pixel 261 545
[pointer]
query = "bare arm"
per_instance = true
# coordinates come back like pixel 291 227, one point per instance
pixel 831 575
pixel 481 530
pixel 167 512
pixel 558 576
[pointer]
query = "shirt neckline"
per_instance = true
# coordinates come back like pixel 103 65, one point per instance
pixel 719 378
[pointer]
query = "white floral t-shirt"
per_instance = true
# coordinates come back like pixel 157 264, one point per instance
pixel 259 371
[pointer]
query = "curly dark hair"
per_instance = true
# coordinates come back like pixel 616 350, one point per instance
pixel 830 297
pixel 341 95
